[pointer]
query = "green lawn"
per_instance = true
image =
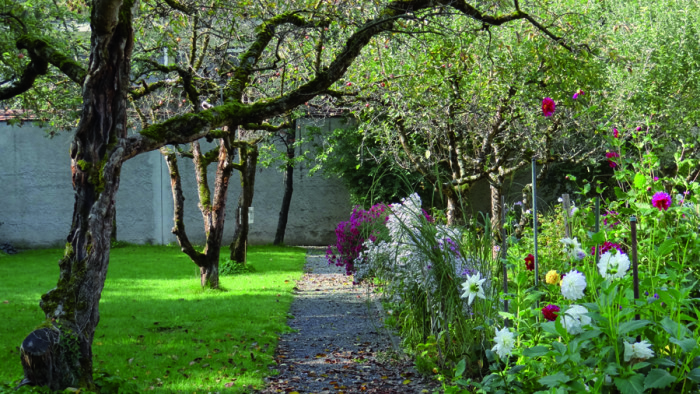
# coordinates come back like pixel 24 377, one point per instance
pixel 158 328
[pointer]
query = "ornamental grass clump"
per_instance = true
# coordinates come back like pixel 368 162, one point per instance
pixel 427 274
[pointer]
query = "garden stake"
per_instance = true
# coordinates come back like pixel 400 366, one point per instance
pixel 635 273
pixel 504 255
pixel 597 228
pixel 534 218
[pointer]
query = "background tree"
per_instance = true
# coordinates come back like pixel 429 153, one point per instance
pixel 465 106
pixel 59 355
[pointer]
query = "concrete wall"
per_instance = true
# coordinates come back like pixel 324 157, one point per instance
pixel 36 196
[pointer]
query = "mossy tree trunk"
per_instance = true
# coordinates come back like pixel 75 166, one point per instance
pixel 59 355
pixel 248 156
pixel 288 185
pixel 213 208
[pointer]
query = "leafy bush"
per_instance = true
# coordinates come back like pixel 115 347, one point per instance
pixel 351 235
pixel 230 267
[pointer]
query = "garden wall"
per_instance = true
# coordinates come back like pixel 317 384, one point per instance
pixel 36 196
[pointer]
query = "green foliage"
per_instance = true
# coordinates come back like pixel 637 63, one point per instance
pixel 350 156
pixel 229 267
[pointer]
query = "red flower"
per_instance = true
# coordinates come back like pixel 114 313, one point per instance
pixel 550 312
pixel 610 156
pixel 548 106
pixel 530 262
pixel 616 133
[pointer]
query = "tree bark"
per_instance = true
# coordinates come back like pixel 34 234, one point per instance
pixel 248 153
pixel 213 209
pixel 288 191
pixel 496 208
pixel 59 355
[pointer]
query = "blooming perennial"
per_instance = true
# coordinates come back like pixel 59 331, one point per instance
pixel 504 342
pixel 473 287
pixel 550 312
pixel 616 134
pixel 638 350
pixel 548 106
pixel 613 265
pixel 573 248
pixel 606 247
pixel 572 285
pixel 552 278
pixel 530 262
pixel 575 318
pixel 661 200
pixel 611 156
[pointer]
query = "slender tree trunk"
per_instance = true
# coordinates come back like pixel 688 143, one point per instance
pixel 248 165
pixel 287 197
pixel 213 208
pixel 59 354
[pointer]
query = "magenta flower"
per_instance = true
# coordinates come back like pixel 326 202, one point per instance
pixel 616 134
pixel 661 200
pixel 578 93
pixel 606 247
pixel 550 312
pixel 610 156
pixel 548 106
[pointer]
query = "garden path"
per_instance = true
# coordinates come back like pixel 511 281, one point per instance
pixel 339 343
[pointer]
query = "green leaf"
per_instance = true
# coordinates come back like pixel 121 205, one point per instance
pixel 630 326
pixel 694 375
pixel 535 351
pixel 687 344
pixel 560 347
pixel 640 181
pixel 461 366
pixel 631 385
pixel 658 379
pixel 555 380
pixel 666 247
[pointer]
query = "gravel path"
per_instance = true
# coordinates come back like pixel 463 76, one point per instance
pixel 339 343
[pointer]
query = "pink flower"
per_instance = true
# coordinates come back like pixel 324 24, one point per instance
pixel 550 312
pixel 530 262
pixel 615 133
pixel 578 93
pixel 610 156
pixel 661 201
pixel 639 128
pixel 548 106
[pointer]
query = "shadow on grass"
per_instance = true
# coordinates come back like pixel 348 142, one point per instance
pixel 158 328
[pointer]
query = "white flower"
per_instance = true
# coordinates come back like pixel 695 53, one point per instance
pixel 572 285
pixel 573 248
pixel 613 265
pixel 638 350
pixel 504 342
pixel 575 318
pixel 473 287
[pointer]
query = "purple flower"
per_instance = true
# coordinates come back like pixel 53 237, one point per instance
pixel 661 200
pixel 578 93
pixel 616 134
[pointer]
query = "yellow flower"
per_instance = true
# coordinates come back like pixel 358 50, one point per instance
pixel 552 277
